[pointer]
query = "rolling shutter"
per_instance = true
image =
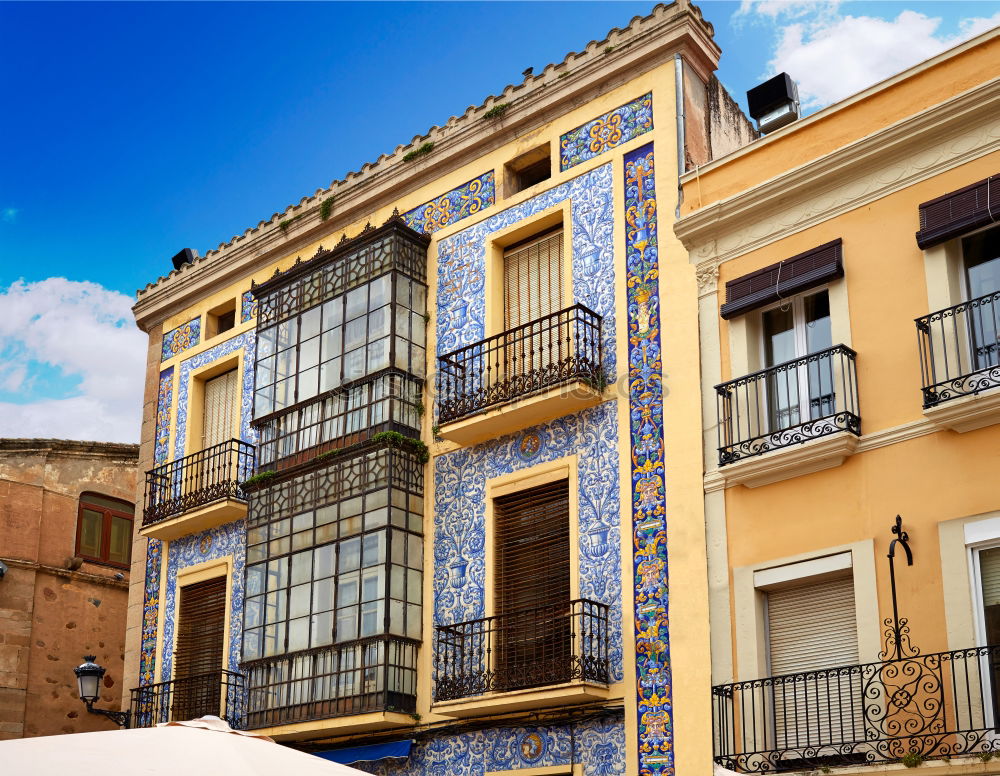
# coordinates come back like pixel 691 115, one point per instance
pixel 199 654
pixel 221 399
pixel 989 575
pixel 532 627
pixel 959 212
pixel 812 628
pixel 532 280
pixel 788 277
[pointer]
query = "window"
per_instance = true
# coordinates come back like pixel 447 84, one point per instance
pixel 981 255
pixel 104 530
pixel 200 651
pixel 532 587
pixel 796 328
pixel 221 319
pixel 221 406
pixel 527 169
pixel 532 279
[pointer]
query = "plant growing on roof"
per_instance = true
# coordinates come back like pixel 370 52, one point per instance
pixel 497 110
pixel 325 208
pixel 425 149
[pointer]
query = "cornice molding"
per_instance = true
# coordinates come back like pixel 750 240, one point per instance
pixel 915 149
pixel 647 43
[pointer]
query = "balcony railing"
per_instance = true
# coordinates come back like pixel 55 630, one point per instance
pixel 197 479
pixel 528 648
pixel 799 400
pixel 960 349
pixel 937 705
pixel 376 674
pixel 219 693
pixel 559 348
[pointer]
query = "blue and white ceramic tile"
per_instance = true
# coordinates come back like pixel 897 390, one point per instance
pixel 229 539
pixel 247 342
pixel 597 744
pixel 248 306
pixel 460 513
pixel 469 198
pixel 180 339
pixel 461 296
pixel 606 132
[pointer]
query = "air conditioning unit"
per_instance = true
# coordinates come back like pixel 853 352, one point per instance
pixel 186 256
pixel 774 103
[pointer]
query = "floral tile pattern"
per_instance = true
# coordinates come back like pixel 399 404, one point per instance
pixel 460 514
pixel 215 543
pixel 164 401
pixel 247 342
pixel 605 132
pixel 469 198
pixel 461 295
pixel 180 339
pixel 649 525
pixel 599 744
pixel 248 307
pixel 150 612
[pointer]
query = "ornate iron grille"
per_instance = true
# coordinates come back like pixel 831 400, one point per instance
pixel 378 674
pixel 555 349
pixel 197 479
pixel 960 349
pixel 219 693
pixel 526 648
pixel 799 400
pixel 937 705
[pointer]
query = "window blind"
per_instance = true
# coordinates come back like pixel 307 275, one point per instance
pixel 788 277
pixel 201 623
pixel 532 279
pixel 220 402
pixel 958 212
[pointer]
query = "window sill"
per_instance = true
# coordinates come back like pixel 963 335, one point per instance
pixel 557 695
pixel 967 413
pixel 335 726
pixel 788 462
pixel 197 520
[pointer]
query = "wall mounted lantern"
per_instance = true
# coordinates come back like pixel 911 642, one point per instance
pixel 88 682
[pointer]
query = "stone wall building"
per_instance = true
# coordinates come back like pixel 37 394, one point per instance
pixel 65 529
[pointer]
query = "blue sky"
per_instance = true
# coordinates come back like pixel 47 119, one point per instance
pixel 133 130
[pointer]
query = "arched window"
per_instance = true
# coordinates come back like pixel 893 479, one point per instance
pixel 104 530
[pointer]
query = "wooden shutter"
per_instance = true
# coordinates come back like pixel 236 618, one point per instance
pixel 989 572
pixel 959 212
pixel 532 279
pixel 811 628
pixel 531 630
pixel 221 400
pixel 788 277
pixel 200 650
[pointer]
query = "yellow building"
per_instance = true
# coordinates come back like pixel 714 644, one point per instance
pixel 848 272
pixel 407 441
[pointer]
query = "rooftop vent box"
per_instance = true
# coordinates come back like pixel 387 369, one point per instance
pixel 774 103
pixel 186 256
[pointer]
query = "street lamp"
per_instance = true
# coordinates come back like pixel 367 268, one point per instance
pixel 88 682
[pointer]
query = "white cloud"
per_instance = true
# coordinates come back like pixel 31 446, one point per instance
pixel 87 333
pixel 832 56
pixel 9 214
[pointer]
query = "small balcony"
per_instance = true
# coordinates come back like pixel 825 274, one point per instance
pixel 807 408
pixel 507 659
pixel 936 705
pixel 960 363
pixel 219 693
pixel 197 492
pixel 526 375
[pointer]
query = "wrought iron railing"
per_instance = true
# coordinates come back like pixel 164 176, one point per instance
pixel 937 705
pixel 960 349
pixel 219 693
pixel 559 348
pixel 197 479
pixel 799 400
pixel 527 648
pixel 375 674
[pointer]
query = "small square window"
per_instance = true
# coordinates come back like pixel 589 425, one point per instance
pixel 527 169
pixel 222 318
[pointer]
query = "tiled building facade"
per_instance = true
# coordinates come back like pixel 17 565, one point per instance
pixel 408 442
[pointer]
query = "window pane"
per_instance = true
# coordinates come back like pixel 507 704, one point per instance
pixel 121 536
pixel 379 292
pixel 309 324
pixel 94 499
pixel 779 335
pixel 91 528
pixel 818 333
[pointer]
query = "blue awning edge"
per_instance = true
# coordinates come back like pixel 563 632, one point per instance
pixel 358 754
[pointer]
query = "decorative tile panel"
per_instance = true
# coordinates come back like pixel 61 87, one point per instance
pixel 460 514
pixel 164 401
pixel 248 307
pixel 605 132
pixel 180 339
pixel 247 342
pixel 461 295
pixel 598 744
pixel 469 198
pixel 649 525
pixel 150 613
pixel 215 543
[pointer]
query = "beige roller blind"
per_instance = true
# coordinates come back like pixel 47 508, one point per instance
pixel 989 570
pixel 532 280
pixel 221 401
pixel 811 628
